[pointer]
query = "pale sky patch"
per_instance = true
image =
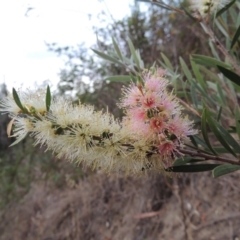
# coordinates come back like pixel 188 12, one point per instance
pixel 24 59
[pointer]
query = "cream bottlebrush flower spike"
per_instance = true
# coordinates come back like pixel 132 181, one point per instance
pixel 77 133
pixel 32 101
pixel 207 6
pixel 150 135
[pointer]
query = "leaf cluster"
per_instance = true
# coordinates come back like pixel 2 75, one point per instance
pixel 87 77
pixel 209 85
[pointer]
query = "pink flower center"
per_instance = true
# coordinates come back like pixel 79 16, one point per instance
pixel 166 148
pixel 149 102
pixel 157 124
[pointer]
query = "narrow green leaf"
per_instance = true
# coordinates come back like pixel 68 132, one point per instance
pixel 198 75
pixel 136 79
pixel 230 75
pixel 166 61
pixel 221 94
pixel 184 160
pixel 192 168
pixel 235 37
pixel 193 141
pixel 203 93
pixel 208 61
pixel 119 78
pixel 228 138
pixel 234 15
pixel 185 69
pixel 232 129
pixel 237 120
pixel 133 52
pixel 204 132
pixel 224 9
pixel 212 85
pixel 117 49
pixel 222 29
pixel 224 169
pixel 220 150
pixel 213 50
pixel 106 57
pixel 183 94
pixel 17 99
pixel 141 63
pixel 237 20
pixel 186 91
pixel 219 134
pixel 209 73
pixel 48 98
pixel 194 95
pixel 201 142
pixel 219 114
pixel 233 89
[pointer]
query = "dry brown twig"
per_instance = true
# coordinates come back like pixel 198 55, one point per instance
pixel 146 215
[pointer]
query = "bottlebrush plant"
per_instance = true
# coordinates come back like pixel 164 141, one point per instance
pixel 185 120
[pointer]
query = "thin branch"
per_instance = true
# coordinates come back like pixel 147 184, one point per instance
pixel 168 6
pixel 189 107
pixel 208 156
pixel 220 46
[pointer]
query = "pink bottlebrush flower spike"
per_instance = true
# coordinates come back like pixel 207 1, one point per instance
pixel 156 115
